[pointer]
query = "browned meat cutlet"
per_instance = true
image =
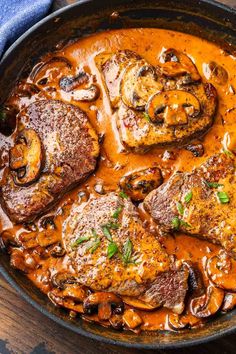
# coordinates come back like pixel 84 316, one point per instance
pixel 153 108
pixel 201 203
pixel 55 148
pixel 111 251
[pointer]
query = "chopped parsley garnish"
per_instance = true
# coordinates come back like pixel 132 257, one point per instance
pixel 94 246
pixel 223 197
pixel 213 184
pixel 80 240
pixel 175 223
pixel 185 224
pixel 180 208
pixel 228 153
pixel 127 251
pixel 188 197
pixel 123 195
pixel 112 249
pixel 146 116
pixel 112 225
pixel 107 233
pixel 117 212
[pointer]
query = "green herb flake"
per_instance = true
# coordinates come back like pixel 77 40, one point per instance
pixel 80 240
pixel 94 233
pixel 185 224
pixel 146 116
pixel 175 223
pixel 117 212
pixel 180 208
pixel 228 153
pixel 123 195
pixel 94 246
pixel 223 197
pixel 127 251
pixel 112 225
pixel 188 197
pixel 106 233
pixel 112 249
pixel 213 184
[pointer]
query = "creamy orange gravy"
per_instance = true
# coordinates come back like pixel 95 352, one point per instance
pixel 115 161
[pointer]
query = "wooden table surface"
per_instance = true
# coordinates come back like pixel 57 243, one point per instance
pixel 24 330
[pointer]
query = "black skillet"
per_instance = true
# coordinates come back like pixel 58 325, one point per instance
pixel 204 18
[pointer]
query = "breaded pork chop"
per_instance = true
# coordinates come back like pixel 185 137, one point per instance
pixel 55 148
pixel 111 251
pixel 201 203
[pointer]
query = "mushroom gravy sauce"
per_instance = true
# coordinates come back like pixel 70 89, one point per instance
pixel 38 252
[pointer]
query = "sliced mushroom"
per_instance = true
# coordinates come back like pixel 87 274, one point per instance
pixel 196 149
pixel 60 280
pixel 23 260
pixel 69 83
pixel 8 119
pixel 56 250
pixel 172 107
pixel 132 319
pixel 229 302
pixel 207 304
pixel 26 158
pixel 174 63
pixel 44 72
pixel 138 83
pixel 195 279
pixel 138 304
pixel 87 94
pixel 59 298
pixel 104 303
pixel 216 73
pixel 221 270
pixel 178 322
pixel 138 184
pixel 116 321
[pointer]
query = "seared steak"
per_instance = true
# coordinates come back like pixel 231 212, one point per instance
pixel 162 105
pixel 200 203
pixel 55 149
pixel 139 133
pixel 111 251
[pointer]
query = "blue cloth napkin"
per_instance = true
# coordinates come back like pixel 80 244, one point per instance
pixel 16 16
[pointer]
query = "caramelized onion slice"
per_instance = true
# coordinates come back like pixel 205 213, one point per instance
pixel 175 63
pixel 172 107
pixel 221 270
pixel 207 304
pixel 26 157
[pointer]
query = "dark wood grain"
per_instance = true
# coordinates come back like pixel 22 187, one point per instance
pixel 24 330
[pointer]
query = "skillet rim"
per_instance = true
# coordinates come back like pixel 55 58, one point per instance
pixel 77 328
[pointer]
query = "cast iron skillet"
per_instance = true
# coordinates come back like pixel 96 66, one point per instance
pixel 203 18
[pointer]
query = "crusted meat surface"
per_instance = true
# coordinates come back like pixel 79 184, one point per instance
pixel 131 83
pixel 70 148
pixel 207 196
pixel 147 270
